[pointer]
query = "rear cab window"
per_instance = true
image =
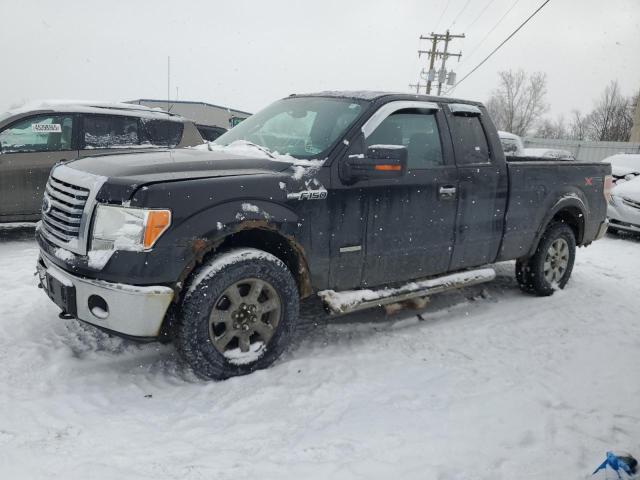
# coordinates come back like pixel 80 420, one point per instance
pixel 468 134
pixel 42 133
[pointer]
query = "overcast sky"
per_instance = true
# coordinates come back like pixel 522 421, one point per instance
pixel 246 54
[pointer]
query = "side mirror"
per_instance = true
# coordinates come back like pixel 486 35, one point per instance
pixel 380 161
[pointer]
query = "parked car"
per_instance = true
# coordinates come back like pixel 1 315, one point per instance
pixel 624 166
pixel 624 207
pixel 554 153
pixel 381 198
pixel 511 144
pixel 210 133
pixel 34 138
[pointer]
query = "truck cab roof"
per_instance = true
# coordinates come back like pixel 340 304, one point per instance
pixel 373 95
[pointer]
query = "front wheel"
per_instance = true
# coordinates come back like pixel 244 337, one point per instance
pixel 550 266
pixel 238 315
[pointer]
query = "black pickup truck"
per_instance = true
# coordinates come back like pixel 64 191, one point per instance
pixel 362 198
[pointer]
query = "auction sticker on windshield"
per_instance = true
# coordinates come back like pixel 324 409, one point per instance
pixel 46 128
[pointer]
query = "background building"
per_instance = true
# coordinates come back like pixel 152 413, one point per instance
pixel 209 118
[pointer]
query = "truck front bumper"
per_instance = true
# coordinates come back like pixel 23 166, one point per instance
pixel 624 214
pixel 128 310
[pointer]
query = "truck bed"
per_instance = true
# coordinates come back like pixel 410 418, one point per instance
pixel 536 186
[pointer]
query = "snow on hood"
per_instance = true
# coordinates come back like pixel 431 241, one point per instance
pixel 630 190
pixel 301 167
pixel 624 164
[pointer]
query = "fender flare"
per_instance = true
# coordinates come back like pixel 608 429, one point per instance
pixel 571 203
pixel 219 223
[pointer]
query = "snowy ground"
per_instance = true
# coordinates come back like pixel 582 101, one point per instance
pixel 491 384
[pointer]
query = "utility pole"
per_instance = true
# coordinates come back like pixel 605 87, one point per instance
pixel 432 57
pixel 445 55
pixel 417 86
pixel 434 54
pixel 168 82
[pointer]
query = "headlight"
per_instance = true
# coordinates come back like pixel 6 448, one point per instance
pixel 125 228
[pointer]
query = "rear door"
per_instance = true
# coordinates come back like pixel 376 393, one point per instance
pixel 410 221
pixel 30 147
pixel 482 188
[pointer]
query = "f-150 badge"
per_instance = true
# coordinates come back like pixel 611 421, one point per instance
pixel 308 195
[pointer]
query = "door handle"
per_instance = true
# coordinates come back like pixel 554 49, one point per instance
pixel 447 192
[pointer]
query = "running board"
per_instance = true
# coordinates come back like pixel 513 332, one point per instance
pixel 353 300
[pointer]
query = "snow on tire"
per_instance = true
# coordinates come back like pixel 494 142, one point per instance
pixel 551 265
pixel 239 314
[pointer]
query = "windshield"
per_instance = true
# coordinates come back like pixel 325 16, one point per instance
pixel 303 127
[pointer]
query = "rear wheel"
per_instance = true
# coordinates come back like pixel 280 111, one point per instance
pixel 239 314
pixel 551 265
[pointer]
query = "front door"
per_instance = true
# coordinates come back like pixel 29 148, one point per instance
pixel 30 147
pixel 410 221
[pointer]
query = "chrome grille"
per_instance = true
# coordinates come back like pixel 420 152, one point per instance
pixel 62 209
pixel 69 200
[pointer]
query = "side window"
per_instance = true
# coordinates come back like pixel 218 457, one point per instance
pixel 210 133
pixel 161 133
pixel 50 133
pixel 470 140
pixel 509 146
pixel 415 129
pixel 106 131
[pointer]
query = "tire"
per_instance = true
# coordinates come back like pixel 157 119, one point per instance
pixel 557 252
pixel 222 331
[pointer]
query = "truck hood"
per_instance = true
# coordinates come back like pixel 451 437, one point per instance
pixel 629 190
pixel 170 165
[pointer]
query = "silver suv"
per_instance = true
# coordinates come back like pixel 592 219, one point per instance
pixel 35 138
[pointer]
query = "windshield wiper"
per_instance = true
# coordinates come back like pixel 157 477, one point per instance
pixel 248 143
pixel 261 148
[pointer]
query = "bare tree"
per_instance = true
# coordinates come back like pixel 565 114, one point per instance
pixel 518 102
pixel 552 129
pixel 578 126
pixel 612 117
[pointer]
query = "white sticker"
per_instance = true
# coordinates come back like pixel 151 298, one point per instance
pixel 46 128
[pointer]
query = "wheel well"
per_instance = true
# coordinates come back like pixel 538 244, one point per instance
pixel 286 249
pixel 278 245
pixel 573 217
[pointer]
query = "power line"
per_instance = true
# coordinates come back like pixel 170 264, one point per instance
pixel 459 13
pixel 484 9
pixel 442 15
pixel 499 46
pixel 479 44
